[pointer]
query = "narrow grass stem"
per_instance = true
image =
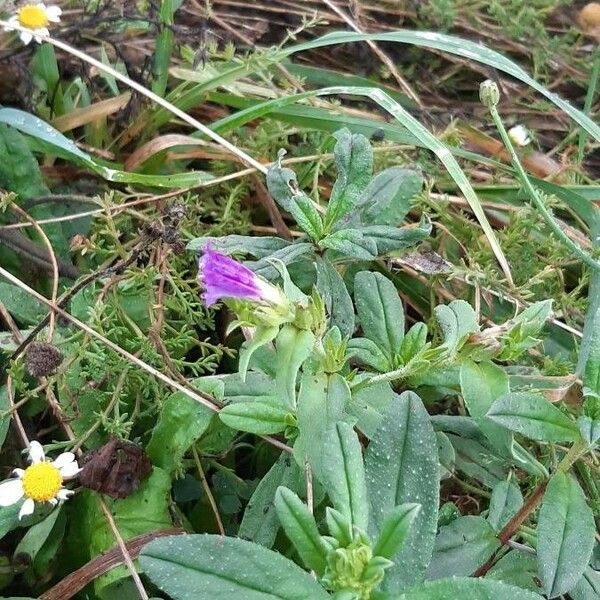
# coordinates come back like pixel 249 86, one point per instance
pixel 536 198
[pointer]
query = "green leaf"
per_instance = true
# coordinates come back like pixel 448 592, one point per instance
pixel 288 255
pixel 388 239
pixel 344 474
pixel 301 528
pixel 386 200
pixel 222 568
pixel 395 530
pixel 369 404
pixel 401 465
pixel 506 500
pixel 534 417
pixel 380 311
pixel 39 534
pixel 461 547
pixel 181 422
pixel 260 523
pixel 368 353
pixel 516 568
pixel 351 243
pixel 259 247
pixel 321 403
pixel 262 335
pixel 5 420
pixel 589 429
pixel 481 384
pixel 457 321
pixel 283 186
pixel 293 347
pixel 588 587
pixel 466 587
pixel 354 162
pixel 263 416
pixel 339 526
pixel 338 303
pixel 566 531
pixel 90 534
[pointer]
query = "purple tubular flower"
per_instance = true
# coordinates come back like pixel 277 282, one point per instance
pixel 223 277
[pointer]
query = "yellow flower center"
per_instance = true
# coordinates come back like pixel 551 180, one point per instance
pixel 32 17
pixel 42 481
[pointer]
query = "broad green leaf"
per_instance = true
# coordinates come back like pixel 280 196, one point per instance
pixel 260 523
pixel 262 335
pixel 457 321
pixel 257 246
pixel 321 403
pixel 21 305
pixel 506 500
pixel 480 385
pixel 589 429
pixel 380 311
pixel 462 547
pixel 344 474
pixel 534 417
pixel 263 416
pixel 478 461
pixel 446 454
pixel 90 535
pixel 5 420
pixel 354 162
pixel 283 186
pixel 338 303
pixel 388 239
pixel 516 568
pixel 395 530
pixel 352 243
pixel 466 587
pixel 368 353
pixel 386 200
pixel 221 568
pixel 293 347
pixel 369 404
pixel 39 534
pixel 401 466
pixel 588 587
pixel 287 255
pixel 566 531
pixel 301 528
pixel 180 423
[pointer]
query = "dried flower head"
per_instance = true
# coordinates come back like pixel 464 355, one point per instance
pixel 42 359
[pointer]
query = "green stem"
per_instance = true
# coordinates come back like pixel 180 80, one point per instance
pixel 589 100
pixel 535 197
pixel 400 373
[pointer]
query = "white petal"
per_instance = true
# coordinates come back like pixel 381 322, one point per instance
pixel 41 5
pixel 53 13
pixel 70 470
pixel 36 452
pixel 12 21
pixel 53 501
pixel 18 473
pixel 27 508
pixel 64 494
pixel 11 491
pixel 63 459
pixel 39 32
pixel 26 37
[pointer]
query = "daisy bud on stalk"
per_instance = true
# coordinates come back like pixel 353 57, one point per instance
pixel 519 135
pixel 35 18
pixel 255 300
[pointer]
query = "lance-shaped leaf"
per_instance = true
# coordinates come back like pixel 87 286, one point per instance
pixel 262 416
pixel 301 528
pixel 395 530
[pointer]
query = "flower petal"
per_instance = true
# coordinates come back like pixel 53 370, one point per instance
pixel 39 32
pixel 11 491
pixel 53 13
pixel 69 470
pixel 18 473
pixel 53 501
pixel 64 494
pixel 36 452
pixel 27 508
pixel 63 459
pixel 26 37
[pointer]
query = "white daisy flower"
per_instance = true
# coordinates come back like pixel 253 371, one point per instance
pixel 519 135
pixel 35 18
pixel 40 482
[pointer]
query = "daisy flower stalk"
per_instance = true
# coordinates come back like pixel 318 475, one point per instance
pixel 42 481
pixel 252 298
pixel 35 18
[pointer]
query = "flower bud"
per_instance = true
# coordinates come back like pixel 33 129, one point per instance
pixel 519 135
pixel 489 94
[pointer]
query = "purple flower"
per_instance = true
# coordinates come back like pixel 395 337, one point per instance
pixel 223 277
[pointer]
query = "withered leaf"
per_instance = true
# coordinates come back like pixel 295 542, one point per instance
pixel 115 469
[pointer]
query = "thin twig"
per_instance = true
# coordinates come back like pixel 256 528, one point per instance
pixel 51 258
pixel 126 556
pixel 207 491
